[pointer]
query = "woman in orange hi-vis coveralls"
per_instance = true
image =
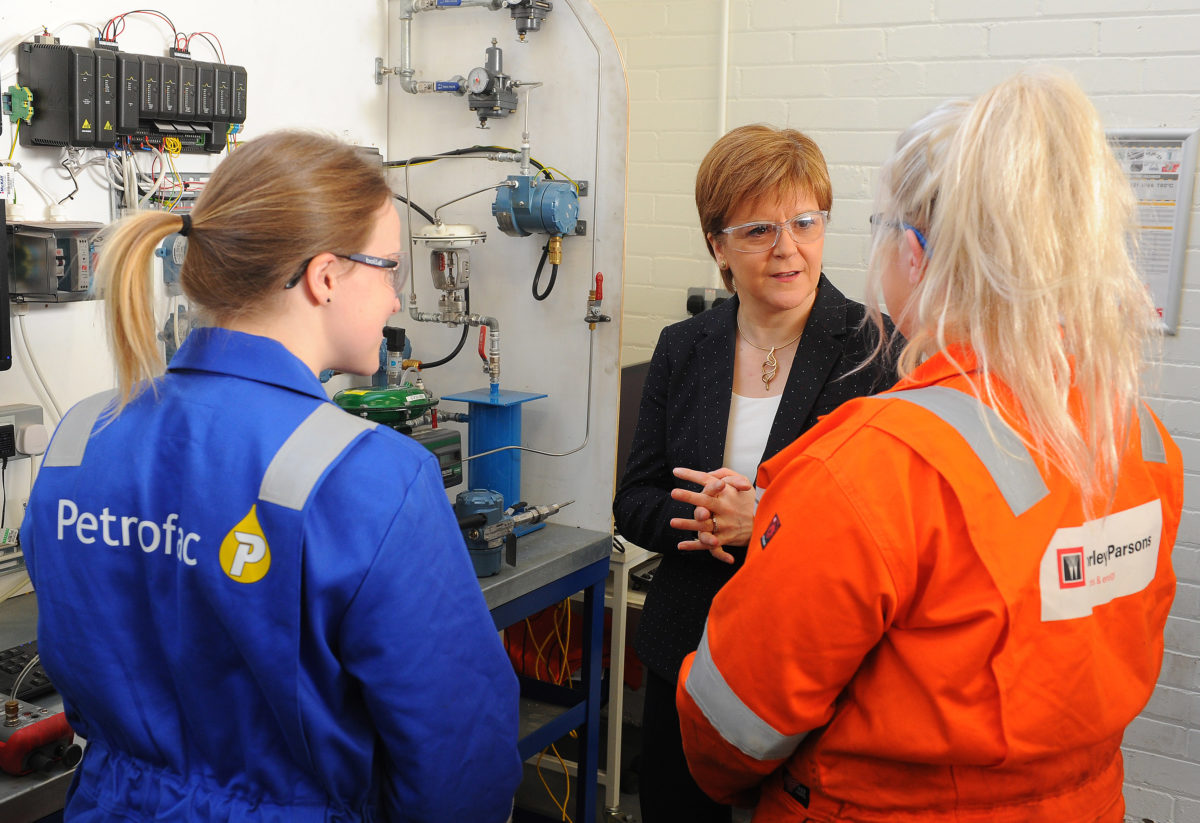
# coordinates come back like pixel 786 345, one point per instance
pixel 955 597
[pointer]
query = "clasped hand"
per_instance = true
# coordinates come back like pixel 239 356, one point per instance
pixel 724 514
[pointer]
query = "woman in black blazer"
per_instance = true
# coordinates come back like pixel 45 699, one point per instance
pixel 726 390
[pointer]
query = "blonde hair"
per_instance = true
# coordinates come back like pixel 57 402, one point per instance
pixel 269 208
pixel 752 162
pixel 1029 227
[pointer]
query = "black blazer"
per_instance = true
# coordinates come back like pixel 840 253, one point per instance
pixel 682 422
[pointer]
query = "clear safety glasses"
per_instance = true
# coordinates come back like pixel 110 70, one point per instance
pixel 878 220
pixel 762 235
pixel 394 268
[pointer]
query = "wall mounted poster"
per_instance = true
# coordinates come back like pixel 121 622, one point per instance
pixel 1161 166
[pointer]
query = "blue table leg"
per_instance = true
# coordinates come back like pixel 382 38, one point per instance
pixel 589 748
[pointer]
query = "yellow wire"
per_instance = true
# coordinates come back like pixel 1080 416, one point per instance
pixel 563 673
pixel 537 665
pixel 562 807
pixel 174 171
pixel 565 176
pixel 13 147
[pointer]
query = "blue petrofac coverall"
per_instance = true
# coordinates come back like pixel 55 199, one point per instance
pixel 259 607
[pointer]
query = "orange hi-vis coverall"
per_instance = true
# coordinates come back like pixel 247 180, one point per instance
pixel 928 627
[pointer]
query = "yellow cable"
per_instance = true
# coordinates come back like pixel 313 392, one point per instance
pixel 565 176
pixel 562 807
pixel 13 147
pixel 538 649
pixel 566 799
pixel 174 171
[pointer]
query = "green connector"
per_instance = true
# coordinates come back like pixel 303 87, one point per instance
pixel 21 104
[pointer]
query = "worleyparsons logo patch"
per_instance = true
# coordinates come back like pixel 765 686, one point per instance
pixel 1098 561
pixel 772 528
pixel 245 554
pixel 1070 568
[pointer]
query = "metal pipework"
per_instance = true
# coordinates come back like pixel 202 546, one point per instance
pixel 526 14
pixel 507 184
pixel 457 318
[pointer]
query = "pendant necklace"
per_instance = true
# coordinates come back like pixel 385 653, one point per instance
pixel 770 366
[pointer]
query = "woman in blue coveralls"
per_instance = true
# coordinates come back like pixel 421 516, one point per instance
pixel 257 606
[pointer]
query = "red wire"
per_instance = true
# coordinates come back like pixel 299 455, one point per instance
pixel 120 18
pixel 188 43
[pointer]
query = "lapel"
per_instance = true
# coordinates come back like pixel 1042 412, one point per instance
pixel 712 367
pixel 819 350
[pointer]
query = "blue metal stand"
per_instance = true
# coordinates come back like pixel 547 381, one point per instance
pixel 495 421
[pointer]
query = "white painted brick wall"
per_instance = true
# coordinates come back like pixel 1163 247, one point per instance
pixel 852 73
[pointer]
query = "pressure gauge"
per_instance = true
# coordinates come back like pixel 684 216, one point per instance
pixel 478 80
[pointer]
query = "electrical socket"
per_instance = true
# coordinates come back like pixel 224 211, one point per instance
pixel 26 421
pixel 701 299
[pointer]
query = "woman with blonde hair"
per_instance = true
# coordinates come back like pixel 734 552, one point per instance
pixel 955 600
pixel 257 606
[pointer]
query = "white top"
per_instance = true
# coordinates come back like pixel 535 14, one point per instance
pixel 750 420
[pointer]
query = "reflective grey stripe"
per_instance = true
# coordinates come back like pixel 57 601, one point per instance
pixel 305 455
pixel 71 437
pixel 732 718
pixel 1153 450
pixel 1012 468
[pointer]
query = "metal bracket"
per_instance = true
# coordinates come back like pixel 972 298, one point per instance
pixel 381 70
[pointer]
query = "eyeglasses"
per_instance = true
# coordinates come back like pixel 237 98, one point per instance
pixel 397 272
pixel 807 227
pixel 878 220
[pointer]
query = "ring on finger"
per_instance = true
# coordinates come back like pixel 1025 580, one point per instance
pixel 714 528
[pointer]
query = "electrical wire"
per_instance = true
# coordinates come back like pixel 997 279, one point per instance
pixel 561 608
pixel 74 180
pixel 117 24
pixel 415 207
pixel 564 176
pixel 13 147
pixel 175 172
pixel 32 361
pixel 562 807
pixel 218 49
pixel 3 491
pixel 161 177
pixel 13 42
pixel 464 152
pixel 49 198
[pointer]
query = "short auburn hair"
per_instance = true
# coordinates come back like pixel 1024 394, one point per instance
pixel 753 162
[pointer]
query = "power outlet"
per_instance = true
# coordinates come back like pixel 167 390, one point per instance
pixel 25 423
pixel 701 299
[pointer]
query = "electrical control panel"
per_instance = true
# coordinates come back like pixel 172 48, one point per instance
pixel 51 262
pixel 87 97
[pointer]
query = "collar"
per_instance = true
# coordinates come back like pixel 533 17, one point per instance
pixel 944 365
pixel 828 312
pixel 261 359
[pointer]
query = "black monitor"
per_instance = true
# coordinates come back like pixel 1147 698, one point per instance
pixel 5 319
pixel 632 378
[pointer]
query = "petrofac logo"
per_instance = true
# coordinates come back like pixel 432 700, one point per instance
pixel 1093 564
pixel 167 538
pixel 245 555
